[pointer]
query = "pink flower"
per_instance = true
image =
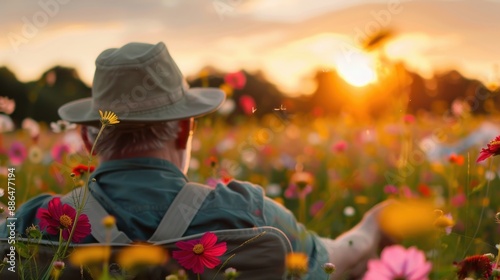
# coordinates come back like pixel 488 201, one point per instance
pixel 409 119
pixel 200 253
pixel 247 104
pixel 391 189
pixel 458 200
pixel 59 150
pixel 492 149
pixel 60 216
pixel 316 207
pixel 32 127
pixel 396 262
pixel 294 191
pixel 340 146
pixel 17 153
pixel 7 105
pixel 236 80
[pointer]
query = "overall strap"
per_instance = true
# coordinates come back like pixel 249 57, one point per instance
pixel 181 212
pixel 95 212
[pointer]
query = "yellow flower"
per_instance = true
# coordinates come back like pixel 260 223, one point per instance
pixel 108 118
pixel 361 199
pixel 408 218
pixel 109 221
pixel 87 255
pixel 296 263
pixel 227 89
pixel 444 222
pixel 142 255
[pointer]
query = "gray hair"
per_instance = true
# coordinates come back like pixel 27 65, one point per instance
pixel 125 138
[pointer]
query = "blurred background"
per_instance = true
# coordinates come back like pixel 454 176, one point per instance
pixel 371 99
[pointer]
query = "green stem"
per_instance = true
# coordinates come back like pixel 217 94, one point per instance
pixel 80 207
pixel 223 265
pixel 483 207
pixel 54 258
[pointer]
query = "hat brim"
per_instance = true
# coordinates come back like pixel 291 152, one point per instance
pixel 195 103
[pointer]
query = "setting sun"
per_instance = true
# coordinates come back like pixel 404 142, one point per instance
pixel 357 69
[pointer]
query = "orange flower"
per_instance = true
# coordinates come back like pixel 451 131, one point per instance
pixel 456 159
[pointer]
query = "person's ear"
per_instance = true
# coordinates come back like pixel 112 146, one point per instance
pixel 85 138
pixel 185 130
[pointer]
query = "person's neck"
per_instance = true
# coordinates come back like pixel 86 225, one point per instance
pixel 168 153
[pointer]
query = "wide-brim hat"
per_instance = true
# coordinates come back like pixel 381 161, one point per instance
pixel 141 83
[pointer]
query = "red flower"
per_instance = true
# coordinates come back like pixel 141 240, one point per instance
pixel 492 149
pixel 60 216
pixel 200 253
pixel 81 169
pixel 478 266
pixel 456 159
pixel 236 80
pixel 425 190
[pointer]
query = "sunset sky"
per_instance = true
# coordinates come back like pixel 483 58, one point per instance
pixel 286 39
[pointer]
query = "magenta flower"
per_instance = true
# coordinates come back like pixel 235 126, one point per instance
pixel 396 262
pixel 59 150
pixel 236 80
pixel 60 216
pixel 200 253
pixel 492 149
pixel 17 153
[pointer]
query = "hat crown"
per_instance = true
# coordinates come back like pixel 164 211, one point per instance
pixel 141 83
pixel 135 79
pixel 129 54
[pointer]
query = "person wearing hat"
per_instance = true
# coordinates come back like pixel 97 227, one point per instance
pixel 144 161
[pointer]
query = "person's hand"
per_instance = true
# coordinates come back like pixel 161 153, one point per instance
pixel 351 251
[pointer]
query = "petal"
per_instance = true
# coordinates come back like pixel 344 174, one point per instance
pixel 378 270
pixel 198 265
pixel 209 261
pixel 70 211
pixel 422 273
pixel 65 234
pixel 415 259
pixel 484 155
pixel 394 258
pixel 186 245
pixel 55 208
pixel 216 250
pixel 208 240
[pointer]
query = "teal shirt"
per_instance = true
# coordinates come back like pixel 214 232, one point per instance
pixel 138 192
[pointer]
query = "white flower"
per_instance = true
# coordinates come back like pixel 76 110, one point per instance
pixel 6 124
pixel 349 211
pixel 61 126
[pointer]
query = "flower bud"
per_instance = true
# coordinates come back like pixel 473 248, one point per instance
pixel 329 268
pixel 109 221
pixel 58 265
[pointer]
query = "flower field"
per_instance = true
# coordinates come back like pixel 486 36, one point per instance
pixel 327 171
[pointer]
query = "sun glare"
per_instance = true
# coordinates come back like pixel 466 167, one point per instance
pixel 357 69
